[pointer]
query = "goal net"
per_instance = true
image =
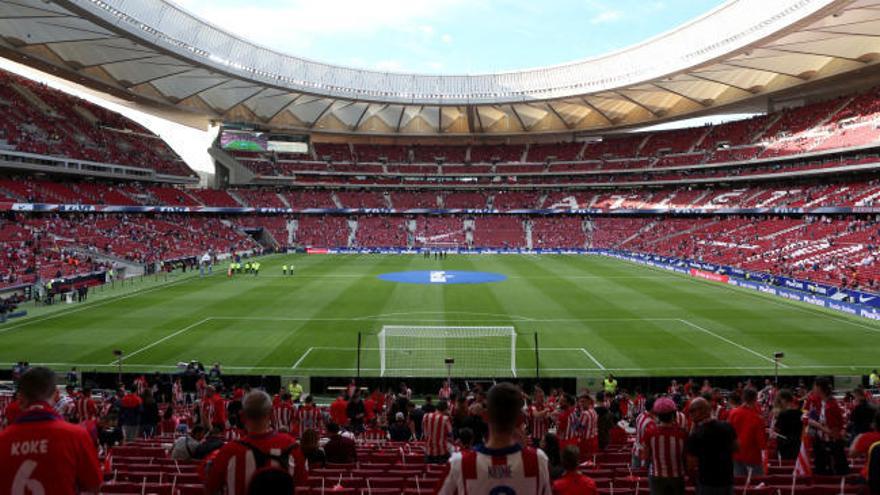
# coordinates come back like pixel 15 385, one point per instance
pixel 422 351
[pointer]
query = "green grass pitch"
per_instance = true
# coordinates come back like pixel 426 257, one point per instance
pixel 593 315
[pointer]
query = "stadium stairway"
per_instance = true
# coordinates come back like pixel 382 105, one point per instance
pixel 386 468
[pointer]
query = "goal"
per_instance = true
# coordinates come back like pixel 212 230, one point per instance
pixel 422 351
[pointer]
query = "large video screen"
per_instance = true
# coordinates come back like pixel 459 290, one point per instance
pixel 244 141
pixel 237 140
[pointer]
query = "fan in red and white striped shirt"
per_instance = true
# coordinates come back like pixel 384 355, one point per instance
pixel 85 406
pixel 308 417
pixel 282 414
pixel 141 385
pixel 445 392
pixel 207 410
pixel 665 443
pixel 644 422
pixel 566 418
pixel 437 431
pixel 588 427
pixel 538 416
pixel 177 391
pixel 683 422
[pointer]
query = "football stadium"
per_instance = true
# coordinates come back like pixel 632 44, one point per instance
pixel 373 254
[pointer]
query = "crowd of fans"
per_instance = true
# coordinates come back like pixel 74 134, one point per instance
pixel 810 194
pixel 211 438
pixel 40 120
pixel 54 246
pixel 845 122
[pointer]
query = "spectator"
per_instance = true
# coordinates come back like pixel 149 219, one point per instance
pixel 437 430
pixel 355 413
pixel 262 451
pixel 399 431
pixel 170 421
pixel 710 449
pixel 826 421
pixel 644 422
pixel 13 409
pixel 130 409
pixel 862 415
pixel 750 434
pixel 550 446
pixel 311 449
pixel 295 390
pixel 664 447
pixel 525 468
pixel 109 433
pixel 214 441
pixel 573 482
pixel 339 411
pixel 788 425
pixel 149 414
pixel 185 447
pixel 339 449
pixel 39 452
pixel 862 444
pixel 465 440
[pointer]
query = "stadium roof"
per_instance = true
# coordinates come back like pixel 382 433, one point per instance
pixel 153 51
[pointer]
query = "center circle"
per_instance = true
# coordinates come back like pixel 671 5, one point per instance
pixel 442 277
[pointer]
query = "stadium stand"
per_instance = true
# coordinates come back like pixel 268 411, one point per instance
pixel 384 463
pixel 44 121
pixel 792 193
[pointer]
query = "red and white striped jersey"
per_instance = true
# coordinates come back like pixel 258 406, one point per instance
pixel 235 464
pixel 437 431
pixel 309 418
pixel 639 402
pixel 830 415
pixel 141 385
pixel 207 411
pixel 201 388
pixel 683 421
pixel 234 434
pixel 539 420
pixel 177 392
pixel 282 416
pixel 643 423
pixel 513 470
pixel 589 424
pixel 85 408
pixel 445 392
pixel 567 424
pixel 665 447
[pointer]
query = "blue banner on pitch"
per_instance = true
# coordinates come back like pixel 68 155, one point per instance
pixel 442 277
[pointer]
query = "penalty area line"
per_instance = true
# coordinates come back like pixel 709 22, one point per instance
pixel 725 339
pixel 593 359
pixel 301 358
pixel 163 339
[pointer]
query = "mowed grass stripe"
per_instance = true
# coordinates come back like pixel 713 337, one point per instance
pixel 807 334
pixel 622 313
pixel 218 297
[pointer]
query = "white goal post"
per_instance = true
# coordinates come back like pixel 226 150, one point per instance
pixel 422 350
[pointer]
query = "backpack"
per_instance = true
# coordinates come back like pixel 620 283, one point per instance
pixel 268 477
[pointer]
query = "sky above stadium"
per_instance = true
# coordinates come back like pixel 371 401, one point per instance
pixel 448 36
